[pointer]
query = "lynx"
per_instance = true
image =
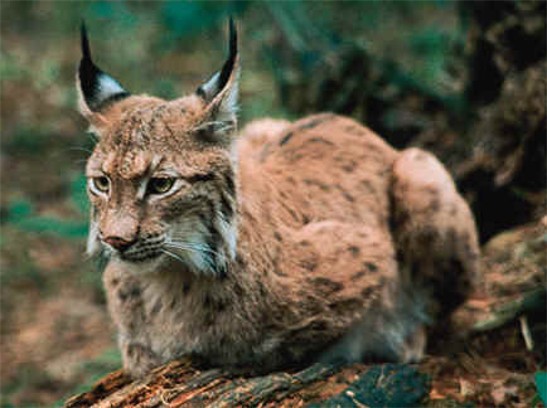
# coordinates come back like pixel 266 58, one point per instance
pixel 274 246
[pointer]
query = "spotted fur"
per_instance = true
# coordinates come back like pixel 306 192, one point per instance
pixel 279 244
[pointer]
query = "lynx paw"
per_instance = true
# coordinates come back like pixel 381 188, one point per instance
pixel 138 359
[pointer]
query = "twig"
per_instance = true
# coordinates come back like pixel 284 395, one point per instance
pixel 525 330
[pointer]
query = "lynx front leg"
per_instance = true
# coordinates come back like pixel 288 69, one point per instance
pixel 137 358
pixel 124 295
pixel 434 232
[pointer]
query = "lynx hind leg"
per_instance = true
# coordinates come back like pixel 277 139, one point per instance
pixel 395 333
pixel 434 232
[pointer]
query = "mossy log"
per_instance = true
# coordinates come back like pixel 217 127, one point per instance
pixel 178 384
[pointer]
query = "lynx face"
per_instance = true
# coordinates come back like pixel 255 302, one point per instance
pixel 161 177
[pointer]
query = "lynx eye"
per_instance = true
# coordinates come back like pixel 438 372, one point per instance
pixel 160 185
pixel 101 184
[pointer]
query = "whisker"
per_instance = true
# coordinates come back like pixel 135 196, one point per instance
pixel 191 246
pixel 184 248
pixel 173 255
pixel 210 262
pixel 195 250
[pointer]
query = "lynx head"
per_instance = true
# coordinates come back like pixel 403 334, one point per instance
pixel 161 178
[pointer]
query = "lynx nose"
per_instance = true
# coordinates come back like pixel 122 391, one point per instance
pixel 119 243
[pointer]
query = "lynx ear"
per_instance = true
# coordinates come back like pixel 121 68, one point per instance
pixel 96 89
pixel 220 92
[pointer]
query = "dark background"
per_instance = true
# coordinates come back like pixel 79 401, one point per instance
pixel 465 80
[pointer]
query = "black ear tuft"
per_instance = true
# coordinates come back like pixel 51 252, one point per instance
pixel 86 53
pixel 97 88
pixel 220 79
pixel 228 66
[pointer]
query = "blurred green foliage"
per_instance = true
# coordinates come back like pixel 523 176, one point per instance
pixel 21 214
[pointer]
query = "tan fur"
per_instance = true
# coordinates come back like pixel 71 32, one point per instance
pixel 313 237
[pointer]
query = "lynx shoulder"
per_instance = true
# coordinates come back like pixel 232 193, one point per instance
pixel 276 245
